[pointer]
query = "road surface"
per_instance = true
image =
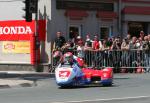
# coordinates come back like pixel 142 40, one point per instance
pixel 127 88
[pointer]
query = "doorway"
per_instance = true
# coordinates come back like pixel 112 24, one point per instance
pixel 74 31
pixel 104 31
pixel 134 28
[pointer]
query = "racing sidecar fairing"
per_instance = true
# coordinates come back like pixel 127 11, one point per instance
pixel 72 75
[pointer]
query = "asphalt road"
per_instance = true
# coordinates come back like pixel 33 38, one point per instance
pixel 127 88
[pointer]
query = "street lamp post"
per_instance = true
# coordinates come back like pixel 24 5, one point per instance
pixel 37 43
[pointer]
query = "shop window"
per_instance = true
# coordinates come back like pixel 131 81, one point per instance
pixel 134 28
pixel 73 32
pixel 104 32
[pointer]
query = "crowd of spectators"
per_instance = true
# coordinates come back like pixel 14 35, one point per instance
pixel 81 45
pixel 114 43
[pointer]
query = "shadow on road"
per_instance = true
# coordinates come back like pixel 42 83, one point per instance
pixel 122 78
pixel 86 86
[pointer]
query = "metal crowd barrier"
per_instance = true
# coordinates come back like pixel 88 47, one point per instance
pixel 117 59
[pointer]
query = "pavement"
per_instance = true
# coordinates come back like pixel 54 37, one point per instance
pixel 9 79
pixel 9 83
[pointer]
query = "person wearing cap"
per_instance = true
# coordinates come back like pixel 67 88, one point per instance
pixel 79 41
pixel 79 37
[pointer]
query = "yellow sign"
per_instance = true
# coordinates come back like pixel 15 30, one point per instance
pixel 16 47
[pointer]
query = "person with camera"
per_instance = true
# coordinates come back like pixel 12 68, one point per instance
pixel 116 47
pixel 146 50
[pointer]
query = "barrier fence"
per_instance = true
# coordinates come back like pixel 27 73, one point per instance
pixel 117 59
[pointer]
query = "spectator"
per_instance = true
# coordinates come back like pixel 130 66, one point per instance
pixel 110 42
pixel 69 46
pixel 116 45
pixel 59 41
pixel 57 57
pixel 79 41
pixel 146 43
pixel 88 49
pixel 146 48
pixel 133 53
pixel 125 44
pixel 149 37
pixel 116 58
pixel 88 43
pixel 96 45
pixel 125 53
pixel 80 50
pixel 104 45
pixel 142 35
pixel 75 35
pixel 139 44
pixel 129 37
pixel 132 44
pixel 105 54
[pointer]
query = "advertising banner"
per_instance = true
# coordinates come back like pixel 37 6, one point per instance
pixel 18 39
pixel 16 30
pixel 21 47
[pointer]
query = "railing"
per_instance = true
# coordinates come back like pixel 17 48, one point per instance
pixel 117 59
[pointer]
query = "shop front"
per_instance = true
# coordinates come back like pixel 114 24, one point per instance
pixel 136 19
pixel 88 17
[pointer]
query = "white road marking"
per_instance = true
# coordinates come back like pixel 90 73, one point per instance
pixel 109 99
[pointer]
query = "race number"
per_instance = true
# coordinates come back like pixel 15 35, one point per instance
pixel 64 74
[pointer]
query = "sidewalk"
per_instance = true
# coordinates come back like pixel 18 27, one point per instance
pixel 9 79
pixel 13 74
pixel 9 83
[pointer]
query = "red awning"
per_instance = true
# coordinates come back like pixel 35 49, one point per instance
pixel 76 13
pixel 106 14
pixel 136 10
